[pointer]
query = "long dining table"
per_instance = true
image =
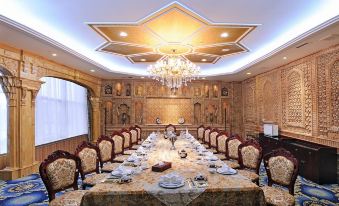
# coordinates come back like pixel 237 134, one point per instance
pixel 144 190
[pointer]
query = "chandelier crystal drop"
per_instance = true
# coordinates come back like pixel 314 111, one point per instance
pixel 174 71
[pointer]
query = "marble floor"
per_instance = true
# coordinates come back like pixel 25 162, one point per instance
pixel 30 190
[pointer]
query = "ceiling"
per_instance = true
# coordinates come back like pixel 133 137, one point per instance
pixel 275 29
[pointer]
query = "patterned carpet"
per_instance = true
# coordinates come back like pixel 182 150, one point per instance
pixel 30 190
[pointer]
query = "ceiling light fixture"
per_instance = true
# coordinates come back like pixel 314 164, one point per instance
pixel 225 50
pixel 142 77
pixel 92 70
pixel 248 73
pixel 54 54
pixel 284 58
pixel 203 60
pixel 224 35
pixel 123 34
pixel 203 78
pixel 142 60
pixel 174 71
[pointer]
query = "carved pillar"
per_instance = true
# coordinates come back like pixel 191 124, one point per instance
pixel 21 142
pixel 95 103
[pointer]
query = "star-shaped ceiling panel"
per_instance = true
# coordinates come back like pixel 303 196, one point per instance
pixel 174 30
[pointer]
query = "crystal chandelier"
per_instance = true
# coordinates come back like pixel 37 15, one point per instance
pixel 174 71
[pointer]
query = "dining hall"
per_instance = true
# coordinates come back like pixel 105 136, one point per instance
pixel 169 103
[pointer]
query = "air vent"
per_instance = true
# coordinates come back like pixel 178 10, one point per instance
pixel 301 45
pixel 330 37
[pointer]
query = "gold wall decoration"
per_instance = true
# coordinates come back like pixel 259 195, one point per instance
pixel 174 28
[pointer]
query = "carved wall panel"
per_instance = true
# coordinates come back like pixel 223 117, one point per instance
pixel 249 101
pixel 138 110
pixel 197 113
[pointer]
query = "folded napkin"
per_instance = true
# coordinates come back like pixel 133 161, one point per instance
pixel 226 169
pixel 171 178
pixel 120 171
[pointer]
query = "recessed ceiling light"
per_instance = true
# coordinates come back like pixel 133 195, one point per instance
pixel 143 60
pixel 142 77
pixel 123 34
pixel 54 54
pixel 92 70
pixel 203 78
pixel 225 50
pixel 284 58
pixel 203 60
pixel 248 73
pixel 224 35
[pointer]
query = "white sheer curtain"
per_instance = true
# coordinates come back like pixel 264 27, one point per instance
pixel 3 121
pixel 61 111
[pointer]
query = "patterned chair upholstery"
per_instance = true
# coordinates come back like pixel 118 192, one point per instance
pixel 250 155
pixel 106 149
pixel 170 127
pixel 127 138
pixel 89 156
pixel 232 156
pixel 282 169
pixel 134 133
pixel 221 145
pixel 60 171
pixel 200 133
pixel 213 139
pixel 139 134
pixel 207 136
pixel 119 142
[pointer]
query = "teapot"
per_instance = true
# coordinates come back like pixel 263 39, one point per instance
pixel 182 153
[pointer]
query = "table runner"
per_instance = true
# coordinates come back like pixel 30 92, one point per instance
pixel 143 190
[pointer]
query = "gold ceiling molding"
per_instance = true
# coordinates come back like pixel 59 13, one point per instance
pixel 172 30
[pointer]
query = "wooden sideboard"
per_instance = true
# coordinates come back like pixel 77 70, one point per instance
pixel 317 163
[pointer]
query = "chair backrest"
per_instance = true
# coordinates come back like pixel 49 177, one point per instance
pixel 232 145
pixel 134 133
pixel 200 132
pixel 250 155
pixel 127 138
pixel 89 156
pixel 170 127
pixel 221 142
pixel 139 132
pixel 213 138
pixel 59 171
pixel 207 135
pixel 119 142
pixel 281 168
pixel 106 149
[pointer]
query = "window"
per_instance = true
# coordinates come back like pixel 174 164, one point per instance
pixel 3 121
pixel 61 111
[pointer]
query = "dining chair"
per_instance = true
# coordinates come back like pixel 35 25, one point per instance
pixel 134 137
pixel 232 156
pixel 282 169
pixel 106 149
pixel 207 136
pixel 200 133
pixel 119 142
pixel 139 133
pixel 250 156
pixel 89 156
pixel 170 127
pixel 60 171
pixel 127 141
pixel 213 140
pixel 221 145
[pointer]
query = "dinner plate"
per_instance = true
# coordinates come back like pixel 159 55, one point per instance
pixel 229 172
pixel 171 186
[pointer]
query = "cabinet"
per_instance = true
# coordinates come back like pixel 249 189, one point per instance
pixel 317 163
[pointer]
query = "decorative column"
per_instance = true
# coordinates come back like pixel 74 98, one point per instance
pixel 21 95
pixel 96 125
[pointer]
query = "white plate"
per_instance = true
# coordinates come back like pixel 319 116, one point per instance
pixel 171 186
pixel 229 172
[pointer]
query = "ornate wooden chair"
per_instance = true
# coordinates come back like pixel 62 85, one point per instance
pixel 282 169
pixel 207 136
pixel 106 149
pixel 221 145
pixel 127 141
pixel 250 156
pixel 134 133
pixel 60 171
pixel 119 142
pixel 170 127
pixel 232 156
pixel 200 133
pixel 89 156
pixel 139 133
pixel 213 140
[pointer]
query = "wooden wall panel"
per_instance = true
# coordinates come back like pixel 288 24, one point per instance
pixel 2 161
pixel 69 145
